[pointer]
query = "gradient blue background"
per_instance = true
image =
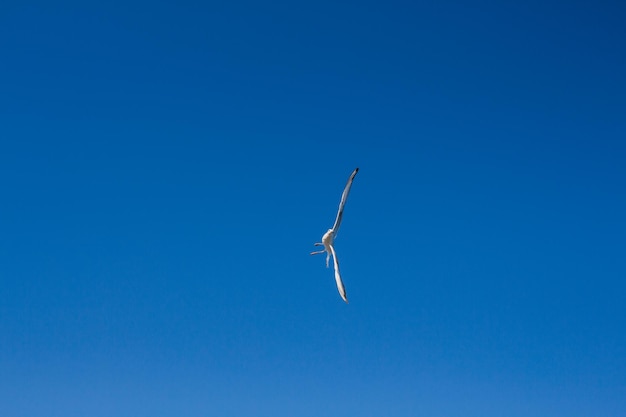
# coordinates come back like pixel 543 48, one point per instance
pixel 165 168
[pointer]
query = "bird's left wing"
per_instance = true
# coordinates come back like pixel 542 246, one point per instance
pixel 344 197
pixel 340 287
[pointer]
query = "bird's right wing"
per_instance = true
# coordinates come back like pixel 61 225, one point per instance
pixel 340 287
pixel 344 197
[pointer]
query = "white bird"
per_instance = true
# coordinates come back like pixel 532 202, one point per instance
pixel 329 238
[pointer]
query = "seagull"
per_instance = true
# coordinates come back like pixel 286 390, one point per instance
pixel 329 238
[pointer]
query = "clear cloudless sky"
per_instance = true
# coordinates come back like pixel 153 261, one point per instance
pixel 165 168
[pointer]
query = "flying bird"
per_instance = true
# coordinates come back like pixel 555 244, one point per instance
pixel 329 238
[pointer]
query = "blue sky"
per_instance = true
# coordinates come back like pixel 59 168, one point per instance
pixel 165 168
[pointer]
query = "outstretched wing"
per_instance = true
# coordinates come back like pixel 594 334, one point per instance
pixel 344 197
pixel 340 287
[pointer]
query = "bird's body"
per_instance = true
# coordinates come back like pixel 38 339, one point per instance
pixel 328 239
